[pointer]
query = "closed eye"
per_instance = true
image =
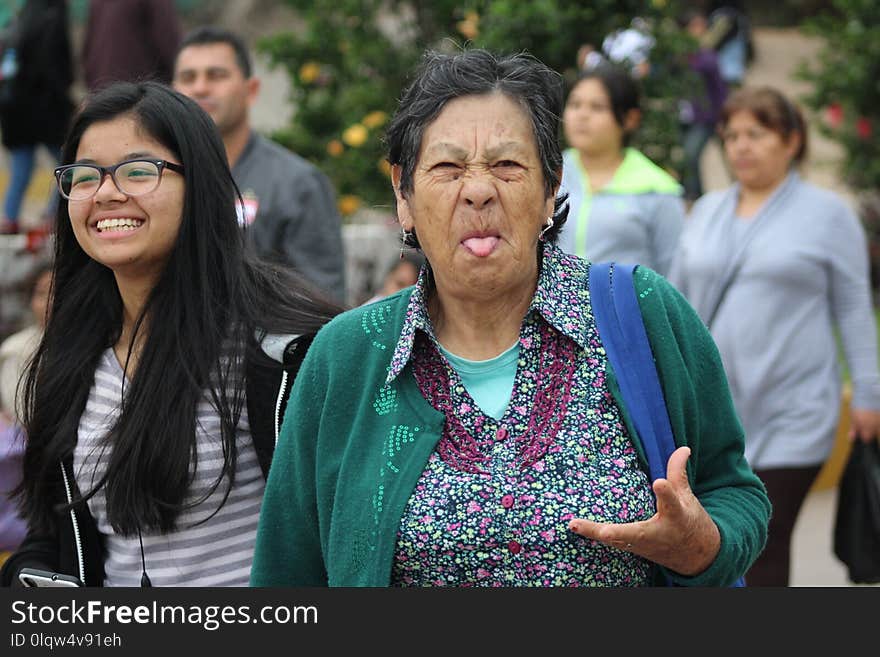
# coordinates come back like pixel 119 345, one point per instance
pixel 506 164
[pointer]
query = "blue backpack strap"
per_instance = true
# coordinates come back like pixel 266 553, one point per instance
pixel 619 321
pixel 622 331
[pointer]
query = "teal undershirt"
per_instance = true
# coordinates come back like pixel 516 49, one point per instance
pixel 489 382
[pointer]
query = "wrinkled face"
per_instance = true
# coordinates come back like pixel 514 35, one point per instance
pixel 210 75
pixel 478 202
pixel 133 236
pixel 588 119
pixel 759 157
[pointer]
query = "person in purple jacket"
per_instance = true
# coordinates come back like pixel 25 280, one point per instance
pixel 699 114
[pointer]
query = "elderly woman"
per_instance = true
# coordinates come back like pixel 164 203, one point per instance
pixel 468 430
pixel 774 265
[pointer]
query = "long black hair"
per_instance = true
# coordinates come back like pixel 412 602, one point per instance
pixel 211 300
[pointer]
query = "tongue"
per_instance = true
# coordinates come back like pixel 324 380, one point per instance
pixel 480 246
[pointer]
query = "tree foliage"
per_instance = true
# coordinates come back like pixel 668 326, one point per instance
pixel 351 59
pixel 845 91
pixel 846 86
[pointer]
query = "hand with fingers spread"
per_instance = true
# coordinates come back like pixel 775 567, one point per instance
pixel 680 536
pixel 864 425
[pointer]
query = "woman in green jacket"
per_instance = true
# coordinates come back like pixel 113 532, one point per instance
pixel 468 431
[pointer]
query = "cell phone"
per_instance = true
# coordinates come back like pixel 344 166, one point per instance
pixel 33 577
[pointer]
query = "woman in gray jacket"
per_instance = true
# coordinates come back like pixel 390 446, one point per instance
pixel 773 265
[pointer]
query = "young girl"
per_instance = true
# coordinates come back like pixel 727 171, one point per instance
pixel 622 206
pixel 153 401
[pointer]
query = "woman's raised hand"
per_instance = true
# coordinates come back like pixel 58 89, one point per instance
pixel 680 536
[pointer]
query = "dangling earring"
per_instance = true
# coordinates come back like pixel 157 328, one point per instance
pixel 405 236
pixel 547 227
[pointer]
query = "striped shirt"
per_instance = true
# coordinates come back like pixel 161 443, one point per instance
pixel 216 552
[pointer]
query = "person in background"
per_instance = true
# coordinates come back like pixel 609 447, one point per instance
pixel 129 40
pixel 162 312
pixel 622 206
pixel 402 272
pixel 18 348
pixel 631 47
pixel 15 352
pixel 699 114
pixel 730 35
pixel 466 431
pixel 774 265
pixel 588 57
pixel 289 206
pixel 35 104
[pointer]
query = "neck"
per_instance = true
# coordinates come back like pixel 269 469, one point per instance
pixel 752 198
pixel 235 142
pixel 134 294
pixel 601 167
pixel 479 329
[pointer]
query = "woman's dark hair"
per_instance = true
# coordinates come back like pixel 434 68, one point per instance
pixel 440 78
pixel 621 87
pixel 199 323
pixel 772 110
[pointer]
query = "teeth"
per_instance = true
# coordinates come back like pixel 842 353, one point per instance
pixel 119 224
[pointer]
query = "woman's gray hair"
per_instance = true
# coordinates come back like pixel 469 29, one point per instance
pixel 440 78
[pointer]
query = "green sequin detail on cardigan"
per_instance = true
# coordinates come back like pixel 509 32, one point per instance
pixel 385 401
pixel 374 321
pixel 398 436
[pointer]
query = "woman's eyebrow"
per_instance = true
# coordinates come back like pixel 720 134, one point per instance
pixel 128 156
pixel 447 149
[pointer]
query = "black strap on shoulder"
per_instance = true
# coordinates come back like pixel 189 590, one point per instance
pixel 264 380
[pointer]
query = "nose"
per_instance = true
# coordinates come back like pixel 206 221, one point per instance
pixel 478 192
pixel 199 86
pixel 108 191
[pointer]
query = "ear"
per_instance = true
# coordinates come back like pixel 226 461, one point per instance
pixel 253 89
pixel 404 217
pixel 632 120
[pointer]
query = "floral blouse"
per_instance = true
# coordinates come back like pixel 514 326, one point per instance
pixel 493 504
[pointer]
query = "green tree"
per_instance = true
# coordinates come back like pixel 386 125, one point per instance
pixel 845 93
pixel 846 86
pixel 349 63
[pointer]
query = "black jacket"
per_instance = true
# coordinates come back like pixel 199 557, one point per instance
pixel 36 107
pixel 78 548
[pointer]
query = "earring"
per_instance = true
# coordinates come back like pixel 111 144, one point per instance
pixel 405 236
pixel 547 227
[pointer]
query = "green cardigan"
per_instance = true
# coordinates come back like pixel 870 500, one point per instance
pixel 352 448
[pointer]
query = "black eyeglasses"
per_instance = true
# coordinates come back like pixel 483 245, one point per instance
pixel 80 182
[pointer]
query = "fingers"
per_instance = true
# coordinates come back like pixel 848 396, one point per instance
pixel 622 536
pixel 864 424
pixel 671 491
pixel 676 467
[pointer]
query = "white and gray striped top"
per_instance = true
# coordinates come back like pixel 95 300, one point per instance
pixel 217 552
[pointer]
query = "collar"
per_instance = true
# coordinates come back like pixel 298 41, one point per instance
pixel 637 174
pixel 561 299
pixel 246 151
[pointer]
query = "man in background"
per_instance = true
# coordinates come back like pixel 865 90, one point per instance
pixel 289 206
